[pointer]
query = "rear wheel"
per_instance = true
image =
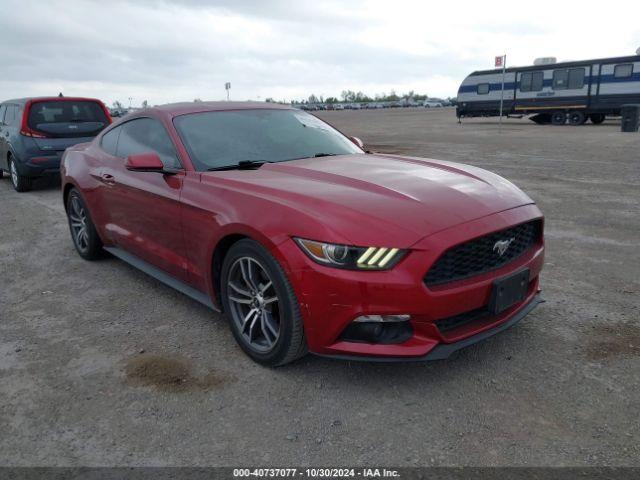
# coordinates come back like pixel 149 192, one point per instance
pixel 20 182
pixel 558 118
pixel 261 305
pixel 577 117
pixel 597 118
pixel 83 232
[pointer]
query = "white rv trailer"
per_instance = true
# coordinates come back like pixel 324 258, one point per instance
pixel 555 93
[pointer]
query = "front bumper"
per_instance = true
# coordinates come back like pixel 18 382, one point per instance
pixel 330 299
pixel 445 350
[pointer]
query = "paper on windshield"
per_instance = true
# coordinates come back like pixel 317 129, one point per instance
pixel 311 121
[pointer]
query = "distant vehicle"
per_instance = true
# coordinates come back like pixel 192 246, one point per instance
pixel 355 106
pixel 555 93
pixel 34 132
pixel 430 103
pixel 118 112
pixel 338 106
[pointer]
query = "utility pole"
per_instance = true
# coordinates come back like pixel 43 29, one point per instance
pixel 502 61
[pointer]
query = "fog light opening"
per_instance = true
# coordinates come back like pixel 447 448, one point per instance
pixel 380 329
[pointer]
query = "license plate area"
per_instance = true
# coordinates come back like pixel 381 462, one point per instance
pixel 509 290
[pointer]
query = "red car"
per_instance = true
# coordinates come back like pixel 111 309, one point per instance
pixel 304 240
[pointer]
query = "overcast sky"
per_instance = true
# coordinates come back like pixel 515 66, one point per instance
pixel 165 51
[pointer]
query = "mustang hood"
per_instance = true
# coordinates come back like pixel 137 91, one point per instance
pixel 404 198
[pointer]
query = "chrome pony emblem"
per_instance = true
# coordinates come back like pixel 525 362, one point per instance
pixel 501 246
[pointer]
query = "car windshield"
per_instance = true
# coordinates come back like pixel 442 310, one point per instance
pixel 222 138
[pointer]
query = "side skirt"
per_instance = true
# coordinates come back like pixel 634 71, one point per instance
pixel 162 277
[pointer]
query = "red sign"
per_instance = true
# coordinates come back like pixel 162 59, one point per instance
pixel 499 61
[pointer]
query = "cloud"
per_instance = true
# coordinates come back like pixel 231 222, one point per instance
pixel 166 51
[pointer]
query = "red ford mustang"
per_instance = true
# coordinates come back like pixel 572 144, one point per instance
pixel 304 240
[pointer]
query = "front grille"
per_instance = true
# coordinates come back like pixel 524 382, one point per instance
pixel 481 254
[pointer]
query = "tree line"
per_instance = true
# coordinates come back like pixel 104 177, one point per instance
pixel 349 96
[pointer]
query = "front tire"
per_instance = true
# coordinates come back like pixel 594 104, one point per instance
pixel 597 118
pixel 20 182
pixel 83 231
pixel 261 306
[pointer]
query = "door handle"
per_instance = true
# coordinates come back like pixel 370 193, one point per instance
pixel 107 179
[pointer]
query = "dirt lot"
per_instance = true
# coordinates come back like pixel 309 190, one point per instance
pixel 101 365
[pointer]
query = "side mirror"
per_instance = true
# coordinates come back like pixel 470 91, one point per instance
pixel 144 162
pixel 358 142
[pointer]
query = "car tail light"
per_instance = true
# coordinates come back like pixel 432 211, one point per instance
pixel 25 129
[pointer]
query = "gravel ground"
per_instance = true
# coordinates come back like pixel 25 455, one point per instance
pixel 102 365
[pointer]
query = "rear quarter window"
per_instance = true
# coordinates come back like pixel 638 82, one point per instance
pixel 109 141
pixel 12 115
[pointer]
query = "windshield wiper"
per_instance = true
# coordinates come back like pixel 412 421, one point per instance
pixel 317 155
pixel 241 165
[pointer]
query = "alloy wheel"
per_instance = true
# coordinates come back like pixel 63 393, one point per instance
pixel 78 221
pixel 255 306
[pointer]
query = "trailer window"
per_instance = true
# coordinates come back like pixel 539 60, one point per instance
pixel 623 71
pixel 531 81
pixel 560 79
pixel 576 78
pixel 483 88
pixel 572 79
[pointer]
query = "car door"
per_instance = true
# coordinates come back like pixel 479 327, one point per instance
pixel 4 134
pixel 144 207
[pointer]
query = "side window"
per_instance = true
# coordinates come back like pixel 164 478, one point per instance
pixel 576 78
pixel 9 114
pixel 560 79
pixel 109 141
pixel 146 135
pixel 483 88
pixel 531 81
pixel 525 82
pixel 537 81
pixel 12 115
pixel 624 70
pixel 3 109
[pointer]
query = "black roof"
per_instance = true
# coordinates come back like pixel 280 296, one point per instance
pixel 577 63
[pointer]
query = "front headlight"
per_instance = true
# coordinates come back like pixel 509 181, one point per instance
pixel 349 257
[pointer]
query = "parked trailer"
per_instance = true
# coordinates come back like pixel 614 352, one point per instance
pixel 555 93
